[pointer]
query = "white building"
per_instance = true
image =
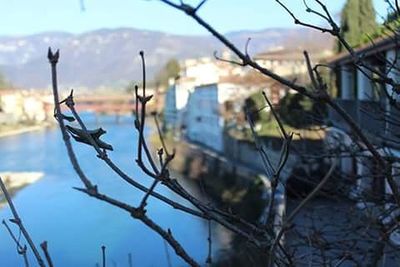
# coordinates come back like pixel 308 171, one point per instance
pixel 287 62
pixel 205 123
pixel 176 99
pixel 11 104
pixel 208 70
pixel 194 72
pixel 24 106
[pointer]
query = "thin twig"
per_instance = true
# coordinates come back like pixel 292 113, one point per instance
pixel 312 193
pixel 209 257
pixel 53 59
pixel 20 249
pixel 103 255
pixel 17 220
pixel 130 264
pixel 160 136
pixel 169 263
pixel 46 254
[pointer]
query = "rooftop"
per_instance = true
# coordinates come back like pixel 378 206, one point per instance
pixel 375 46
pixel 289 54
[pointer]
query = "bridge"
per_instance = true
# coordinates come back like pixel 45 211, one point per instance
pixel 110 104
pixel 117 104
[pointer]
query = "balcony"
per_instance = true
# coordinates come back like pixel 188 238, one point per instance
pixel 367 114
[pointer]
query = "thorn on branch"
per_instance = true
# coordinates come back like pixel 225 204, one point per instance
pixel 69 101
pixel 144 100
pixel 81 136
pixel 15 221
pixel 65 117
pixel 91 191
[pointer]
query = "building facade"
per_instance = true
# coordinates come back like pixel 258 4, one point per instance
pixel 205 121
pixel 19 106
pixel 373 105
pixel 194 73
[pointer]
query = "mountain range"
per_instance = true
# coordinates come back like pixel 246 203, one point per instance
pixel 109 57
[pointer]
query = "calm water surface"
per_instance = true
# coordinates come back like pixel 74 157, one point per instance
pixel 75 225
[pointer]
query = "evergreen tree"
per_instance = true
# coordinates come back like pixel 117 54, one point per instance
pixel 357 22
pixel 367 17
pixel 170 70
pixel 392 17
pixel 3 82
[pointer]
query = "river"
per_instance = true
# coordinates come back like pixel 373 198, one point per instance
pixel 75 225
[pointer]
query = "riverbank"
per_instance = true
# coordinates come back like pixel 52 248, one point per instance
pixel 15 181
pixel 20 129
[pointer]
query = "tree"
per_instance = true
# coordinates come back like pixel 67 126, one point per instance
pixel 170 70
pixel 357 22
pixel 4 84
pixel 300 112
pixel 392 18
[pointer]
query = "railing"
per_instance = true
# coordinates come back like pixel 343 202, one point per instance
pixel 393 126
pixel 369 115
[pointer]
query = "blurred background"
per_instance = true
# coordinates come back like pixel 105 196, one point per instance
pixel 99 43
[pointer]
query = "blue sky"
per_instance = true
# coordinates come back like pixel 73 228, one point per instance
pixel 19 17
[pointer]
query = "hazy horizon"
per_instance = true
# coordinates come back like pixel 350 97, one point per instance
pixel 206 34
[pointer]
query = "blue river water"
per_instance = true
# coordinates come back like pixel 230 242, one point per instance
pixel 75 225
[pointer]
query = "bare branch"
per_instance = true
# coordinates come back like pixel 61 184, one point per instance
pixel 103 255
pixel 20 249
pixel 17 220
pixel 53 59
pixel 209 257
pixel 46 254
pixel 200 5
